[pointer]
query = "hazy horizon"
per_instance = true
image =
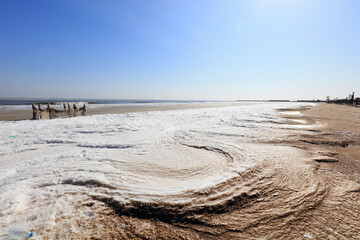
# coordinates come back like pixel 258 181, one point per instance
pixel 179 50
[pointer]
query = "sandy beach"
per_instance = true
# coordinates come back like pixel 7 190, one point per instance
pixel 245 171
pixel 196 120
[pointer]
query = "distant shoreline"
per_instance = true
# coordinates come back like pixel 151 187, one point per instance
pixel 27 101
pixel 281 100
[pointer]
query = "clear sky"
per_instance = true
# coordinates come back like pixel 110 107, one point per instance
pixel 180 49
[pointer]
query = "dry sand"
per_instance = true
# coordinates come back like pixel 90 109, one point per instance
pixel 341 134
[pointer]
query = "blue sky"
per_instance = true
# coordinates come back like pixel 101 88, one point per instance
pixel 176 49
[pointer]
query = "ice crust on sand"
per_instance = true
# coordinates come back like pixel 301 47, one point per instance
pixel 149 157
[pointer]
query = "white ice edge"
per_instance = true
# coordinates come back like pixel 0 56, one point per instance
pixel 144 156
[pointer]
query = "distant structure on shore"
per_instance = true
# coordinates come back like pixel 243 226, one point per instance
pixel 350 100
pixel 281 100
pixel 52 113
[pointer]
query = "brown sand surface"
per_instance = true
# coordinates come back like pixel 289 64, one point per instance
pixel 337 117
pixel 16 114
pixel 342 135
pixel 307 188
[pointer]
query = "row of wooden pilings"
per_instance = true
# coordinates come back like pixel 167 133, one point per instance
pixel 52 113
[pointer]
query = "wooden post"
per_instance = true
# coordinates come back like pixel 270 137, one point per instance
pixel 49 110
pixel 36 112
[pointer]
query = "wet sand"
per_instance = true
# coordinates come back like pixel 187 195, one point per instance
pixel 16 114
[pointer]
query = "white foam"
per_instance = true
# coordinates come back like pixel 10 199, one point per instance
pixel 145 156
pixel 299 121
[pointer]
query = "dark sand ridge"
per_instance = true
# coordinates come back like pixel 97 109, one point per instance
pixel 16 114
pixel 307 188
